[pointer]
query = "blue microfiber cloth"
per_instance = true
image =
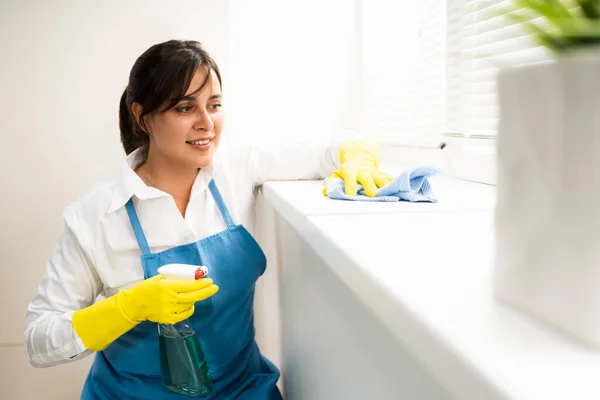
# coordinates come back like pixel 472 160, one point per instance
pixel 412 185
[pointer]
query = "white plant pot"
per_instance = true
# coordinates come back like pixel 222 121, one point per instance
pixel 548 206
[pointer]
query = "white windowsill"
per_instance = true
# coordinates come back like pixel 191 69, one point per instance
pixel 425 270
pixel 470 159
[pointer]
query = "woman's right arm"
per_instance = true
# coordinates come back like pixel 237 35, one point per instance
pixel 70 284
pixel 64 323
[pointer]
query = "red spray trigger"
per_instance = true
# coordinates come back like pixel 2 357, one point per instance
pixel 200 272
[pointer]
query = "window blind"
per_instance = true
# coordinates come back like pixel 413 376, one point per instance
pixel 479 43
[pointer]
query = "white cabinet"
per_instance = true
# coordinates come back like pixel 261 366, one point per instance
pixel 333 346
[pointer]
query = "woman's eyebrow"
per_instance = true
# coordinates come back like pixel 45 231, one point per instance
pixel 191 97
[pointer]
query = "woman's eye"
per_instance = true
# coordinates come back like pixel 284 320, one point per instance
pixel 184 109
pixel 215 106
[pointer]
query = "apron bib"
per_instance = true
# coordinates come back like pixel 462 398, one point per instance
pixel 130 367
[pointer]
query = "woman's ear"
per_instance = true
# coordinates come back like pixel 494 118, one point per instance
pixel 136 109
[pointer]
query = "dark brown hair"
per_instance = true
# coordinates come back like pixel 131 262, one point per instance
pixel 158 80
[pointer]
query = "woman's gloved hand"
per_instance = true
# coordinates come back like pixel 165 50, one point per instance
pixel 164 301
pixel 155 299
pixel 360 164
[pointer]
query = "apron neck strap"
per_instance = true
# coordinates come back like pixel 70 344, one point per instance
pixel 137 227
pixel 139 232
pixel 220 203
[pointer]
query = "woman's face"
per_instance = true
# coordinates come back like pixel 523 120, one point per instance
pixel 188 134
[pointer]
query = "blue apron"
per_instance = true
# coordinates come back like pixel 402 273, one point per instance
pixel 130 367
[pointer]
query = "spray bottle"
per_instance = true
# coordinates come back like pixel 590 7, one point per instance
pixel 183 363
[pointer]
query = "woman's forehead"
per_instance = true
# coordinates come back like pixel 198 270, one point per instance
pixel 200 86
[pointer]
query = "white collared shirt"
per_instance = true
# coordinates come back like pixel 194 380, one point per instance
pixel 97 253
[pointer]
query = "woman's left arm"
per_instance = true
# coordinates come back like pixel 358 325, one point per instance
pixel 347 156
pixel 295 159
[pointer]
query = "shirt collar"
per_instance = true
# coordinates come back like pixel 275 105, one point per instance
pixel 129 183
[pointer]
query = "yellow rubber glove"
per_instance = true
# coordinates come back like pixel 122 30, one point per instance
pixel 155 299
pixel 360 164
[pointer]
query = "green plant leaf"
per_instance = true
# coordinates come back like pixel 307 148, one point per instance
pixel 590 8
pixel 571 23
pixel 560 9
pixel 540 36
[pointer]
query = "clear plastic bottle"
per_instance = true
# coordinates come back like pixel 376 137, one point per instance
pixel 183 364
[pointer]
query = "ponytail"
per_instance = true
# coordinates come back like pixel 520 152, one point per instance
pixel 132 136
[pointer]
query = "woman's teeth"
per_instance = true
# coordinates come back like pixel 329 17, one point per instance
pixel 200 142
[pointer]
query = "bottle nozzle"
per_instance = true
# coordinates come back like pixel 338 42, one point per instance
pixel 185 272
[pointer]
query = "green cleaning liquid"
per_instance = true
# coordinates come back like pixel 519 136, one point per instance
pixel 183 364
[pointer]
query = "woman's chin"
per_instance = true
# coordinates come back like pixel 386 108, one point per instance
pixel 203 161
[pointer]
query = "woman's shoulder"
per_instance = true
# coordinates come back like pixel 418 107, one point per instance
pixel 91 205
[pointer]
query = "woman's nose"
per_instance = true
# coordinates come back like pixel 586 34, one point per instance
pixel 204 122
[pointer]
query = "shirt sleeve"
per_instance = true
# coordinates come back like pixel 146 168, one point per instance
pixel 296 159
pixel 70 283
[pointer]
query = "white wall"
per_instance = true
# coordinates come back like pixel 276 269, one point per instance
pixel 63 67
pixel 294 68
pixel 404 69
pixel 294 72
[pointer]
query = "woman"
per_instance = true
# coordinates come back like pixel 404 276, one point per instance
pixel 174 202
